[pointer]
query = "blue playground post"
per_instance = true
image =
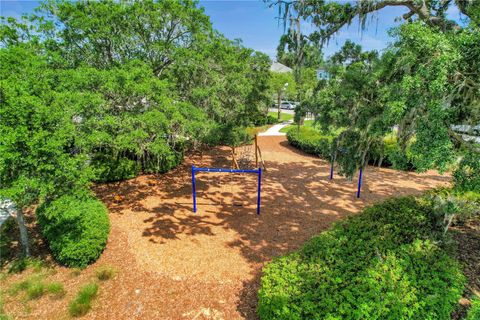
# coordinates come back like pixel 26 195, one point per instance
pixel 195 169
pixel 331 169
pixel 359 183
pixel 259 189
pixel 194 191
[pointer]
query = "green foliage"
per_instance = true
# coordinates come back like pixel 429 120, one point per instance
pixel 423 84
pixel 467 176
pixel 35 287
pixel 310 141
pixel 386 263
pixel 87 96
pixel 56 289
pixel 474 311
pixel 76 228
pixel 23 263
pixel 7 238
pixel 83 301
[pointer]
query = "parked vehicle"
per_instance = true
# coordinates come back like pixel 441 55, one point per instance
pixel 287 105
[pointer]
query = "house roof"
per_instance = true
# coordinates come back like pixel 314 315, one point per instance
pixel 280 68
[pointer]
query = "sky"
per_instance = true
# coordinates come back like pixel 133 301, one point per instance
pixel 258 26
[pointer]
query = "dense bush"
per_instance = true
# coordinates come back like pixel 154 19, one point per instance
pixel 385 263
pixel 474 311
pixel 310 141
pixel 386 150
pixel 467 175
pixel 262 120
pixel 395 156
pixel 76 228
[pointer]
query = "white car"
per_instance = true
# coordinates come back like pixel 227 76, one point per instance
pixel 287 105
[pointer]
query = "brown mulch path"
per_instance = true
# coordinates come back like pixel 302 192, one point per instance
pixel 174 264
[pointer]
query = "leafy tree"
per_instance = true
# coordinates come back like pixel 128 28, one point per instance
pixel 281 84
pixel 102 91
pixel 426 82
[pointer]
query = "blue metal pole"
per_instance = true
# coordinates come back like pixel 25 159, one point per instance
pixel 359 183
pixel 259 188
pixel 331 169
pixel 194 191
pixel 226 170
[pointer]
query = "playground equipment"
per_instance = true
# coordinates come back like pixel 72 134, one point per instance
pixel 245 159
pixel 194 190
pixel 360 176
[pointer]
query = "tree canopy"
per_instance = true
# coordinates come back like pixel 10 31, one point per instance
pixel 105 90
pixel 425 82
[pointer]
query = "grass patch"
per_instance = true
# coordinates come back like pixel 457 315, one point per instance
pixel 35 287
pixel 306 124
pixel 22 264
pixel 83 301
pixel 3 315
pixel 35 290
pixel 56 289
pixel 105 273
pixel 283 116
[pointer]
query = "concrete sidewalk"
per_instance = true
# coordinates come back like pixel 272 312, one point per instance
pixel 275 130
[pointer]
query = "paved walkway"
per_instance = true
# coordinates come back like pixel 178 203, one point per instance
pixel 275 130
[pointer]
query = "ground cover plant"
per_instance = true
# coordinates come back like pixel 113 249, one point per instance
pixel 389 262
pixel 83 300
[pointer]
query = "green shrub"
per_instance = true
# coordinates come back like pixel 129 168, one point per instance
pixel 467 175
pixel 109 168
pixel 8 231
pixel 474 311
pixel 311 141
pixel 264 120
pixel 76 228
pixel 385 263
pixel 389 152
pixel 83 301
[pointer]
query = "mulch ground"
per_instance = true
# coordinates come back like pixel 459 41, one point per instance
pixel 174 264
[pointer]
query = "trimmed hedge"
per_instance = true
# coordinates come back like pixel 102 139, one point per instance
pixel 311 141
pixel 76 229
pixel 385 263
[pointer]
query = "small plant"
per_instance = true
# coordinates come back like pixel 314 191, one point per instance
pixel 83 301
pixel 76 272
pixel 35 290
pixel 56 289
pixel 105 273
pixel 22 264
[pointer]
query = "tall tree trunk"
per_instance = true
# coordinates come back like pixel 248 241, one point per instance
pixel 23 232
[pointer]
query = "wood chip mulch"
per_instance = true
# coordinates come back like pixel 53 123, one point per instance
pixel 174 264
